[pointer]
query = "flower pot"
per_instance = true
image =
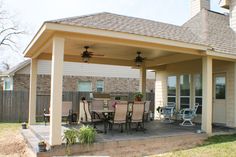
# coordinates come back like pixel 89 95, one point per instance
pixel 24 126
pixel 138 99
pixel 42 147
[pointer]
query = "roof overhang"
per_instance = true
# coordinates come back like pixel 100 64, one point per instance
pixel 48 30
pixel 224 4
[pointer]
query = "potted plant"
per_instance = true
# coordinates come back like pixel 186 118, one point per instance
pixel 24 126
pixel 42 146
pixel 138 96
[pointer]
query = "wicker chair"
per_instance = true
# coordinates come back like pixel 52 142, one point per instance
pixel 137 116
pixel 120 115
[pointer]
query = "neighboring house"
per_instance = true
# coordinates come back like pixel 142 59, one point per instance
pixel 77 77
pixel 194 63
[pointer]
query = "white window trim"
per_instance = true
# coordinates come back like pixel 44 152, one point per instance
pixel 11 84
pixel 175 88
pixel 190 78
pixel 103 85
pixel 194 91
pixel 88 82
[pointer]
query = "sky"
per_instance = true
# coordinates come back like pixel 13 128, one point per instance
pixel 30 14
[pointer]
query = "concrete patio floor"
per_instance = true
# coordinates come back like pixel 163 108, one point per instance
pixel 154 130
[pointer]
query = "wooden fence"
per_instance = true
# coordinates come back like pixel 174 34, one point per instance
pixel 14 105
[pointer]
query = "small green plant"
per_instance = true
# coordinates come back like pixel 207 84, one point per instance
pixel 87 134
pixel 70 136
pixel 138 96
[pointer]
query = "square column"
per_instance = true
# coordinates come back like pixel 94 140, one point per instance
pixel 160 92
pixel 55 137
pixel 142 81
pixel 33 91
pixel 207 94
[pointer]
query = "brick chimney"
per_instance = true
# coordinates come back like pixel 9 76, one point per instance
pixel 198 5
pixel 231 5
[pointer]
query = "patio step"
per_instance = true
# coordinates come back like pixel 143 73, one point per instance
pixel 31 139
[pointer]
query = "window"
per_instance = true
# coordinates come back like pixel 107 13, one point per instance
pixel 220 87
pixel 85 86
pixel 184 91
pixel 100 86
pixel 8 84
pixel 171 89
pixel 198 91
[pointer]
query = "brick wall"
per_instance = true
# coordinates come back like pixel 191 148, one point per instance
pixel 70 83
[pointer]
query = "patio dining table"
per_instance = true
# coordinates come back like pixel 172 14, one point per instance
pixel 105 113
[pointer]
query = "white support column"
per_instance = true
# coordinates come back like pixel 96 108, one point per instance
pixel 56 91
pixel 207 94
pixel 142 81
pixel 160 92
pixel 235 94
pixel 33 92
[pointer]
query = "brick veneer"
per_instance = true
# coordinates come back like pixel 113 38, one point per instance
pixel 70 83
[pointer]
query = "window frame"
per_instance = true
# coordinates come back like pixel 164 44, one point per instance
pixel 194 93
pixel 90 82
pixel 10 81
pixel 103 85
pixel 225 84
pixel 175 97
pixel 189 97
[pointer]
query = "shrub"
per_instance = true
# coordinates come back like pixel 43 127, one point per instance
pixel 71 137
pixel 87 134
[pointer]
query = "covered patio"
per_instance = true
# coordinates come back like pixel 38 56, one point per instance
pixel 60 41
pixel 164 136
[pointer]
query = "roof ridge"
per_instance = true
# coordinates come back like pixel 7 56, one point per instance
pixel 74 17
pixel 94 14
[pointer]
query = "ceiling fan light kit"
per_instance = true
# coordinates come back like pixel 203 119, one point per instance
pixel 86 55
pixel 139 59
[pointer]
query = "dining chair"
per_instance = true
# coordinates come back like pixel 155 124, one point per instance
pixel 120 115
pixel 66 112
pixel 137 116
pixel 91 117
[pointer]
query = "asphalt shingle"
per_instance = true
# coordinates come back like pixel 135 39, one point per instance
pixel 132 25
pixel 206 28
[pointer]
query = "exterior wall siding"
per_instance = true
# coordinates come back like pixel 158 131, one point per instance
pixel 197 5
pixel 228 69
pixel 85 69
pixel 70 83
pixel 233 14
pixel 194 67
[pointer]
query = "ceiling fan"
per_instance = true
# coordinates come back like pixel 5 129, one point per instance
pixel 88 54
pixel 139 59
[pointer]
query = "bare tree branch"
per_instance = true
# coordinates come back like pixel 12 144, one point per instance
pixel 9 31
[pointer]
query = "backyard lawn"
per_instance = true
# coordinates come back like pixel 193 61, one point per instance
pixel 216 146
pixel 13 144
pixel 11 141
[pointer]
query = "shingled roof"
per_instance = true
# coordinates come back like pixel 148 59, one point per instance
pixel 213 28
pixel 132 25
pixel 206 28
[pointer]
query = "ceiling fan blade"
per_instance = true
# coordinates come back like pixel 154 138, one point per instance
pixel 98 55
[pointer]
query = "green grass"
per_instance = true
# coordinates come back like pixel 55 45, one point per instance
pixel 6 127
pixel 215 146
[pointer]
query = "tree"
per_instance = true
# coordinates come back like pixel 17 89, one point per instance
pixel 9 30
